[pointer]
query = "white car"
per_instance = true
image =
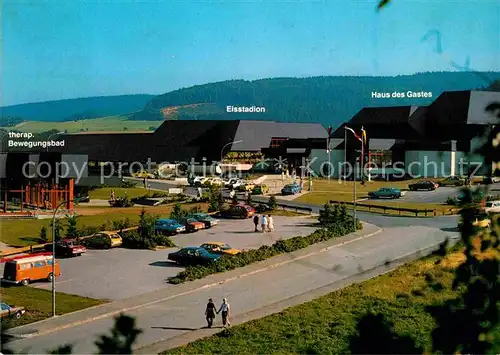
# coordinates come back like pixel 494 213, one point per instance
pixel 237 184
pixel 199 180
pixel 492 207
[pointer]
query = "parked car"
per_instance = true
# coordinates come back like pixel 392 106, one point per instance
pixel 67 248
pixel 423 185
pixel 236 183
pixel 452 181
pixel 103 240
pixel 385 192
pixel 199 181
pixel 260 190
pixel 228 182
pixel 7 311
pixel 214 182
pixel 30 268
pixel 492 207
pixel 247 186
pixel 291 189
pixel 205 218
pixel 238 211
pixel 191 224
pixel 491 179
pixel 82 199
pixel 144 174
pixel 220 248
pixel 193 256
pixel 169 226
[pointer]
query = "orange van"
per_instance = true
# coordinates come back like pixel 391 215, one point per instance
pixel 30 268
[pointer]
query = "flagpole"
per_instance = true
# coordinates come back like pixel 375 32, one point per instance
pixel 345 155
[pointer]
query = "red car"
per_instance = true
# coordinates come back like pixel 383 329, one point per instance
pixel 67 248
pixel 238 211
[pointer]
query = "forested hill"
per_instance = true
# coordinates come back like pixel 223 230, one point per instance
pixel 73 109
pixel 327 99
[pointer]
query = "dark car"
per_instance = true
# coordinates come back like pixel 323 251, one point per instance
pixel 169 226
pixel 238 211
pixel 193 256
pixel 67 248
pixel 423 185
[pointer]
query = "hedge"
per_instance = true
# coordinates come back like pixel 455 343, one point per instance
pixel 230 262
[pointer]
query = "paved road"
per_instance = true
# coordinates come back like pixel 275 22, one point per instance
pixel 121 273
pixel 178 315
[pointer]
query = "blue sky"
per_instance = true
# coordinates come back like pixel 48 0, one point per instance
pixel 65 49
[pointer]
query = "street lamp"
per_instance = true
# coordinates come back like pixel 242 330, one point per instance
pixel 54 259
pixel 225 145
pixel 356 172
pixel 53 134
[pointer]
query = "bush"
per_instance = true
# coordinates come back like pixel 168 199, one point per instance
pixel 122 202
pixel 230 262
pixel 121 224
pixel 451 200
pixel 273 203
pixel 97 243
pixel 133 240
pixel 178 212
pixel 86 231
pixel 261 208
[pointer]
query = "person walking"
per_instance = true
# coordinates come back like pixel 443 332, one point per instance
pixel 256 222
pixel 263 223
pixel 270 223
pixel 225 309
pixel 210 312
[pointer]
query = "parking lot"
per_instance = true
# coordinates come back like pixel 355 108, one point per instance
pixel 120 273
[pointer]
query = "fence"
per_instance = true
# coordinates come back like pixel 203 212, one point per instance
pixel 39 247
pixel 416 211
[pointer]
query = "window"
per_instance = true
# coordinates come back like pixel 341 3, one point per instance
pixel 40 263
pixel 25 266
pixel 4 307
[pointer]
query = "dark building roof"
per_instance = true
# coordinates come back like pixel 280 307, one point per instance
pixel 181 140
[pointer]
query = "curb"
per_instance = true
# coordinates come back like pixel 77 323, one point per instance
pixel 308 296
pixel 212 284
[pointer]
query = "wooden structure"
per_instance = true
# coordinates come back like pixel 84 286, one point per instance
pixel 42 196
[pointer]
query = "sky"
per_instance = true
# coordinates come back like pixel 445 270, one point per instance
pixel 55 50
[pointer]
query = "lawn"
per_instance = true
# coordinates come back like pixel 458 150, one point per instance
pixel 104 193
pixel 26 232
pixel 38 303
pixel 110 123
pixel 323 326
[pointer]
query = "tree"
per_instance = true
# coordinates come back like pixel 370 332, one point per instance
pixel 272 203
pixel 122 338
pixel 71 230
pixel 146 225
pixel 329 214
pixel 43 235
pixel 177 212
pixel 56 229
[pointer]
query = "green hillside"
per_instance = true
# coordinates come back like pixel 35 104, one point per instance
pixel 327 99
pixel 73 109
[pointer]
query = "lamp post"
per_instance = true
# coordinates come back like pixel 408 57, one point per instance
pixel 356 172
pixel 222 154
pixel 53 134
pixel 54 258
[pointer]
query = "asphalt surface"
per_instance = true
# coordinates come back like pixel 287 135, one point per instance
pixel 178 315
pixel 121 273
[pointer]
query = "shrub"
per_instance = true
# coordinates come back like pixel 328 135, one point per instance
pixel 451 200
pixel 43 235
pixel 147 225
pixel 273 203
pixel 121 224
pixel 122 202
pixel 261 208
pixel 163 240
pixel 230 262
pixel 86 231
pixel 133 240
pixel 97 243
pixel 178 212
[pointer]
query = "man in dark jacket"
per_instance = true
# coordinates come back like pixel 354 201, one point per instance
pixel 210 312
pixel 256 222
